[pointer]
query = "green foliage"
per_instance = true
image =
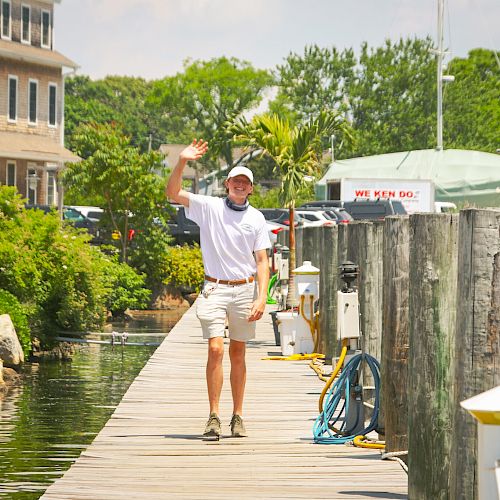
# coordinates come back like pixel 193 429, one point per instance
pixel 62 282
pixel 206 95
pixel 271 199
pixel 11 203
pixel 115 99
pixel 471 104
pixel 11 306
pixel 126 185
pixel 295 150
pixel 389 95
pixel 319 79
pixel 393 101
pixel 126 288
pixel 184 267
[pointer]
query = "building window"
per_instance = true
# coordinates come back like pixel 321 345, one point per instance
pixel 26 24
pixel 6 22
pixel 46 29
pixel 52 104
pixel 51 187
pixel 32 186
pixel 11 173
pixel 12 98
pixel 32 101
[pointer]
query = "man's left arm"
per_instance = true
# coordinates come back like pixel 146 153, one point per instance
pixel 259 304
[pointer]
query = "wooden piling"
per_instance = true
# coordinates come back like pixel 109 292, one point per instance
pixel 299 239
pixel 311 246
pixel 328 286
pixel 395 344
pixel 477 360
pixel 365 248
pixel 432 301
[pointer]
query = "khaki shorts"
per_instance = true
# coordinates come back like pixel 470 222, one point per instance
pixel 216 302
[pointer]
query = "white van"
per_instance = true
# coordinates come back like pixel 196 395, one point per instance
pixel 93 213
pixel 442 207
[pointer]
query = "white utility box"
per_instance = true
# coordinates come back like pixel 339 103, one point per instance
pixel 295 335
pixel 347 315
pixel 485 408
pixel 306 281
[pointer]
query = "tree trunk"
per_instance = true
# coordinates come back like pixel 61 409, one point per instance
pixel 291 301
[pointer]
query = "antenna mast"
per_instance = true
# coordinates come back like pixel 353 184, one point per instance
pixel 440 54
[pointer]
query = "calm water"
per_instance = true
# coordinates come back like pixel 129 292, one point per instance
pixel 60 407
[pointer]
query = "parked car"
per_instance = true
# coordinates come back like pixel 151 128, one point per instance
pixel 443 207
pixel 75 217
pixel 341 215
pixel 374 209
pixel 321 204
pixel 272 213
pixel 284 218
pixel 362 209
pixel 316 218
pixel 336 214
pixel 94 213
pixel 183 230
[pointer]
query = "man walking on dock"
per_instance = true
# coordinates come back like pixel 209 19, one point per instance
pixel 234 243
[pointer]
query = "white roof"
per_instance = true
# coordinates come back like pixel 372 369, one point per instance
pixel 457 174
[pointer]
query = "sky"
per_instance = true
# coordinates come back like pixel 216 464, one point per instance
pixel 153 38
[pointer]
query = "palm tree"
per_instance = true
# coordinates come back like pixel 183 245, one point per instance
pixel 296 151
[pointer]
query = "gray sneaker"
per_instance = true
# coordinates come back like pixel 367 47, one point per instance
pixel 212 429
pixel 238 427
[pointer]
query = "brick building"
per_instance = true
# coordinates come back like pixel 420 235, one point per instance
pixel 32 149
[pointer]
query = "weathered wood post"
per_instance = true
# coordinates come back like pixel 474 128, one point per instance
pixel 342 245
pixel 395 343
pixel 311 246
pixel 433 282
pixel 365 248
pixel 299 240
pixel 477 349
pixel 328 286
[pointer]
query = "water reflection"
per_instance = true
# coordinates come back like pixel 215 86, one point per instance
pixel 46 422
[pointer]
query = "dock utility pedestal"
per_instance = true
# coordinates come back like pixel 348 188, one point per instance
pixel 298 328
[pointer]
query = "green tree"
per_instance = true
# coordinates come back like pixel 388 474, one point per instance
pixel 126 184
pixel 393 102
pixel 208 94
pixel 471 104
pixel 296 152
pixel 114 99
pixel 319 79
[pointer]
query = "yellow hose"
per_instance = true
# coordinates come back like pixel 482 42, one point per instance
pixel 295 357
pixel 313 322
pixel 340 362
pixel 359 441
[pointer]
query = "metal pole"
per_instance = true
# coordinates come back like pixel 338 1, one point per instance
pixel 439 54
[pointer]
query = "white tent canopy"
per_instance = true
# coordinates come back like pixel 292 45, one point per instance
pixel 459 175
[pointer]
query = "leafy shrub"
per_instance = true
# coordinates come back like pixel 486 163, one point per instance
pixel 65 283
pixel 184 267
pixel 11 306
pixel 127 289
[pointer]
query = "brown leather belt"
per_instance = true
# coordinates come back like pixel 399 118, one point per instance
pixel 230 282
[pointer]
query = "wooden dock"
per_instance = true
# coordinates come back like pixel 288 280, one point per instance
pixel 151 448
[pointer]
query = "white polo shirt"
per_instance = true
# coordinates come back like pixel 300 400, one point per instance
pixel 228 238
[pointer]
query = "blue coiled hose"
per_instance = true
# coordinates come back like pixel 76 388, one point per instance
pixel 339 394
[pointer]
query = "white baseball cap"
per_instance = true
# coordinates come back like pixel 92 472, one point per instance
pixel 240 170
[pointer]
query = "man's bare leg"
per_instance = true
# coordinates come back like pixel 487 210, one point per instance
pixel 214 372
pixel 238 374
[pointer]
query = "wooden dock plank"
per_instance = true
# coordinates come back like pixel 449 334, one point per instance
pixel 151 447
